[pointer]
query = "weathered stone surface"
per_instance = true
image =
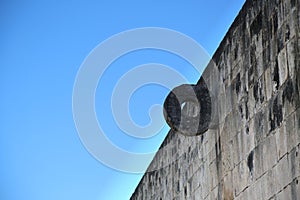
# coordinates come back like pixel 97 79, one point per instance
pixel 253 149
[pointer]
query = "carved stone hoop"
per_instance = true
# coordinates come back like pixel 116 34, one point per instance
pixel 187 109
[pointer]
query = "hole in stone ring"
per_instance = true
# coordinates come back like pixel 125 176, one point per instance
pixel 190 108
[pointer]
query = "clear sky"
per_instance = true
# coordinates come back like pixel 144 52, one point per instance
pixel 42 46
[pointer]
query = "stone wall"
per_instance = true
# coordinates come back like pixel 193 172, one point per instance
pixel 254 151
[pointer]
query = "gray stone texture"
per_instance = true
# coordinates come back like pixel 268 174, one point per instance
pixel 253 152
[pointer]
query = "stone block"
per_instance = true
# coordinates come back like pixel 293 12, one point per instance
pixel 227 157
pixel 283 174
pixel 268 84
pixel 237 149
pixel 268 185
pixel 196 180
pixel 291 58
pixel 290 98
pixel 282 66
pixel 227 187
pixel 290 130
pixel 269 153
pixel 255 190
pixel 205 184
pixel 214 174
pixel 248 144
pixel 251 103
pixel 281 142
pixel 260 65
pixel 295 188
pixel 294 162
pixel 241 177
pixel 197 194
pixel 285 194
pixel 258 161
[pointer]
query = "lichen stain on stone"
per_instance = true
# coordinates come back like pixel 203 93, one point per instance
pixel 256 25
pixel 288 91
pixel 238 83
pixel 253 56
pixel 255 92
pixel 258 92
pixel 219 165
pixel 276 75
pixel 275 114
pixel 246 108
pixel 287 33
pixel 250 162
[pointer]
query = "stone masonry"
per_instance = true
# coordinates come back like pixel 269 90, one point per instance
pixel 254 151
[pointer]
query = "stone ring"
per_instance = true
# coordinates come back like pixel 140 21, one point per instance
pixel 187 109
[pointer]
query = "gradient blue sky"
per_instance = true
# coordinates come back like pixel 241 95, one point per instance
pixel 42 45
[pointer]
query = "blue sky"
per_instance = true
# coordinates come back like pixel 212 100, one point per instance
pixel 43 44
